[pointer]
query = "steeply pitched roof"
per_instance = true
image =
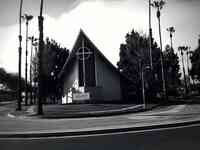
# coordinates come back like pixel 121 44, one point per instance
pixel 72 55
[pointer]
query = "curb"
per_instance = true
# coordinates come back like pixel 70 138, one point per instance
pixel 96 131
pixel 113 112
pixel 132 109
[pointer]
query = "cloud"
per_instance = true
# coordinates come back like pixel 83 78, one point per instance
pixel 102 26
pixel 189 1
pixel 106 23
pixel 9 9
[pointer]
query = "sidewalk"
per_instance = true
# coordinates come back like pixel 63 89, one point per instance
pixel 81 110
pixel 35 127
pixel 89 110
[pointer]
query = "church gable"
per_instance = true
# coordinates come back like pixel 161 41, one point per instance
pixel 93 71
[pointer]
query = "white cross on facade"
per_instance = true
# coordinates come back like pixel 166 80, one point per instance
pixel 85 55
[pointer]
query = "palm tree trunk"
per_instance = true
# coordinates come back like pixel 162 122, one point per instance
pixel 31 92
pixel 150 37
pixel 161 58
pixel 26 65
pixel 19 64
pixel 40 75
pixel 171 41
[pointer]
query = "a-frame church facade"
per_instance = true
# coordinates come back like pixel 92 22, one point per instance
pixel 88 76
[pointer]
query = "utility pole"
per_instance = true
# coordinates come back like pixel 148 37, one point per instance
pixel 19 100
pixel 27 18
pixel 141 74
pixel 30 71
pixel 143 82
pixel 40 53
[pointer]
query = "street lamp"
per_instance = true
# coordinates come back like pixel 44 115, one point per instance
pixel 142 69
pixel 171 30
pixel 30 71
pixel 27 18
pixel 141 74
pixel 181 49
pixel 19 63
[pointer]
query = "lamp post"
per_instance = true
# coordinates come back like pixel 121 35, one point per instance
pixel 142 81
pixel 27 18
pixel 159 5
pixel 41 47
pixel 181 49
pixel 142 69
pixel 171 30
pixel 19 100
pixel 30 70
pixel 141 74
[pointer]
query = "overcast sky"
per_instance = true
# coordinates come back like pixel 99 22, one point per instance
pixel 106 22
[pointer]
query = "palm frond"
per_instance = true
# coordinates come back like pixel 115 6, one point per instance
pixel 158 4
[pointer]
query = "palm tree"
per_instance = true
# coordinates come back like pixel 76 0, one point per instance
pixel 181 49
pixel 171 30
pixel 159 5
pixel 150 37
pixel 41 47
pixel 20 57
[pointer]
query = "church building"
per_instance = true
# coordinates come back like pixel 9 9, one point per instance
pixel 88 76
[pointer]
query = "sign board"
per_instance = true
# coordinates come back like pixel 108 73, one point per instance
pixel 81 96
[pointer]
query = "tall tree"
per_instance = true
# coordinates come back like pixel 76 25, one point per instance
pixel 19 99
pixel 195 60
pixel 158 4
pixel 10 80
pixel 40 52
pixel 54 58
pixel 133 54
pixel 172 69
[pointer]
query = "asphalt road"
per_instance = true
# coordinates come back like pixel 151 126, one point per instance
pixel 183 138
